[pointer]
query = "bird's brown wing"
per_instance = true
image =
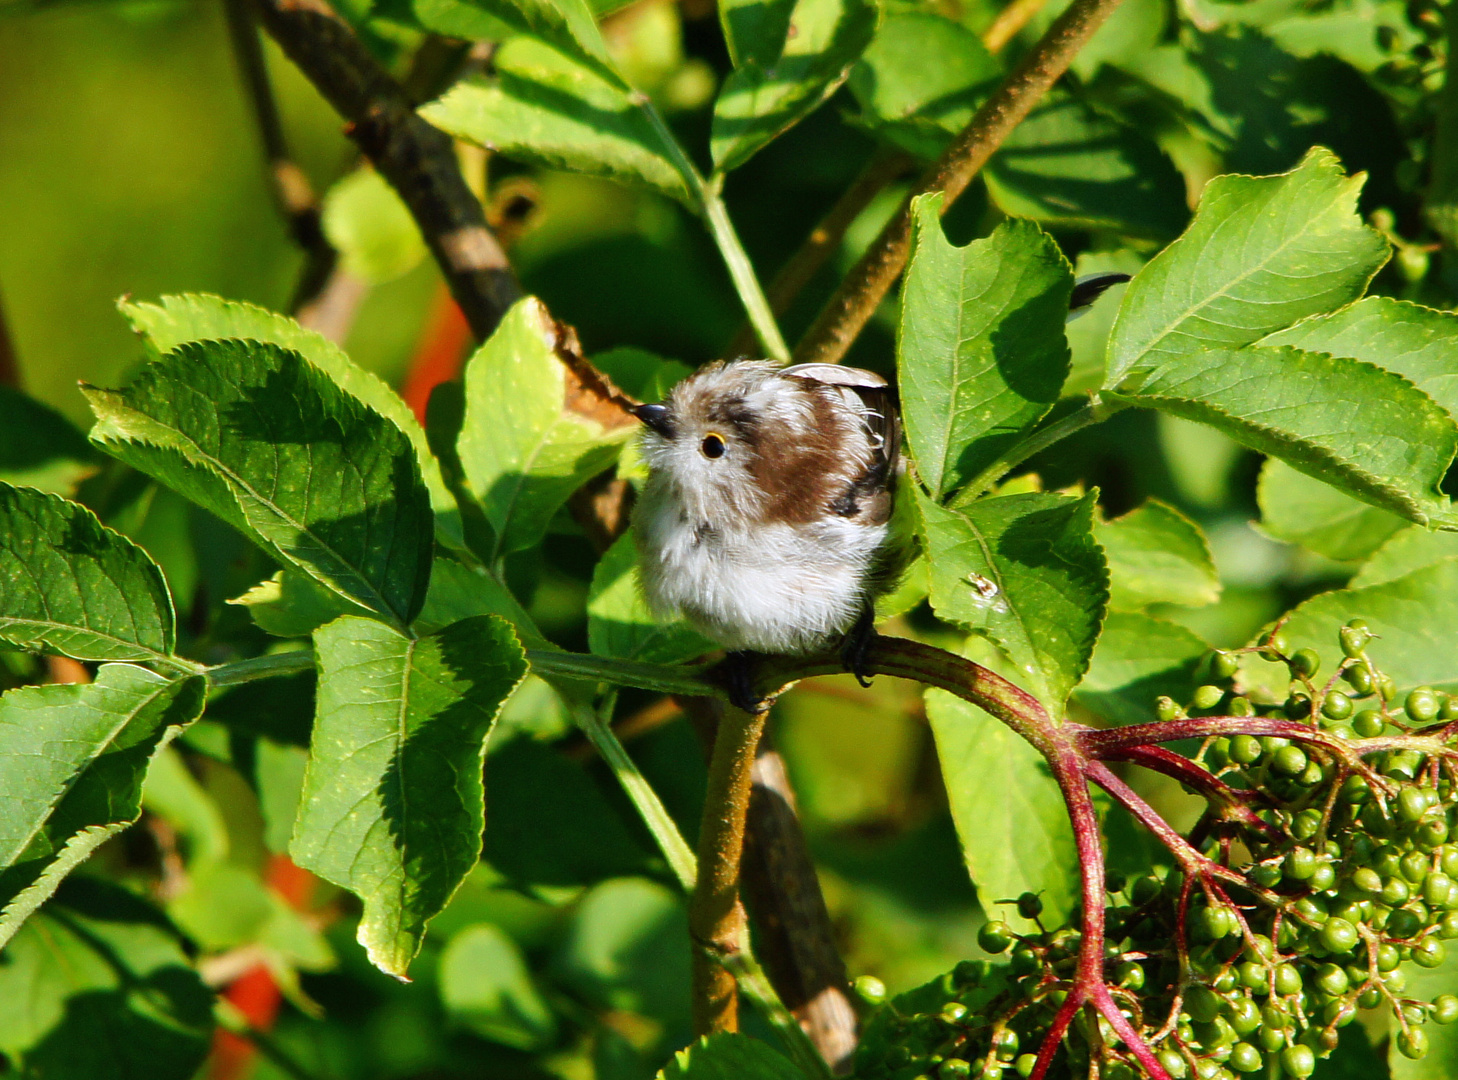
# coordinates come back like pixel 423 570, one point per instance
pixel 868 498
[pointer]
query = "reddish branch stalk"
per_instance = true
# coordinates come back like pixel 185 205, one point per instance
pixel 863 289
pixel 1232 803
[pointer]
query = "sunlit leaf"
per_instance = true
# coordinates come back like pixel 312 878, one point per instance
pixel 729 1056
pixel 272 446
pixel 72 760
pixel 1137 659
pixel 68 584
pixel 1026 572
pixel 981 355
pixel 1157 556
pixel 485 986
pixel 393 801
pixel 1302 510
pixel 371 227
pixel 1261 253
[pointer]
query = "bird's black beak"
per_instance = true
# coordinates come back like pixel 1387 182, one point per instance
pixel 657 417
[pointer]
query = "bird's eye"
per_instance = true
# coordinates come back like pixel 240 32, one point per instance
pixel 712 446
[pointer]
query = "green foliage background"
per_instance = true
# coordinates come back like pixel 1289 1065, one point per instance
pixel 130 168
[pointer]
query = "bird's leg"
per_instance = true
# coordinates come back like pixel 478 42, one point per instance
pixel 857 645
pixel 739 680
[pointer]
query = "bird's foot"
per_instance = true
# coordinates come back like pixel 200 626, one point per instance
pixel 739 672
pixel 856 648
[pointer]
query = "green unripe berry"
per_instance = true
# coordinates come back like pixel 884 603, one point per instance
pixel 1005 1044
pixel 1245 1016
pixel 1145 889
pixel 1386 687
pixel 1252 976
pixel 1245 749
pixel 957 1069
pixel 1223 665
pixel 1354 640
pixel 1300 861
pixel 1429 953
pixel 1218 755
pixel 1437 889
pixel 1322 878
pixel 1207 696
pixel 1422 705
pixel 1305 663
pixel 1288 979
pixel 1025 1064
pixel 1240 706
pixel 1369 999
pixel 1029 906
pixel 1403 923
pixel 1332 980
pixel 1448 928
pixel 1413 1043
pixel 953 1012
pixel 1369 723
pixel 1395 892
pixel 870 989
pixel 1299 1061
pixel 1396 981
pixel 1336 706
pixel 1289 761
pixel 1271 1039
pixel 1245 1058
pixel 1305 824
pixel 995 936
pixel 1445 1008
pixel 1338 935
pixel 1130 975
pixel 1266 875
pixel 1432 833
pixel 1388 957
pixel 1368 881
pixel 1174 1063
pixel 1412 803
pixel 1202 1004
pixel 1297 707
pixel 1277 643
pixel 1414 867
pixel 1167 709
pixel 1359 678
pixel 1355 790
pixel 1025 961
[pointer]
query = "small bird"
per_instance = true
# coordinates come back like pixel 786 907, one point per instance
pixel 765 518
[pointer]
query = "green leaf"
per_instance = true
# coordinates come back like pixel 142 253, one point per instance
pixel 1010 816
pixel 1137 659
pixel 292 604
pixel 72 760
pixel 981 354
pixel 1261 253
pixel 627 949
pixel 1415 618
pixel 1409 549
pixel 458 591
pixel 393 801
pixel 68 584
pixel 1157 556
pixel 177 320
pixel 619 622
pixel 371 227
pixel 729 1056
pixel 97 987
pixel 524 447
pixel 1070 166
pixel 760 101
pixel 1301 510
pixel 1417 342
pixel 546 109
pixel 39 447
pixel 485 986
pixel 754 30
pixel 920 80
pixel 269 444
pixel 1345 422
pixel 1026 572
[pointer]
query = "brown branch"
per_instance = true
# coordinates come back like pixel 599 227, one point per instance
pixel 417 160
pixel 291 188
pixel 716 917
pixel 794 938
pixel 858 296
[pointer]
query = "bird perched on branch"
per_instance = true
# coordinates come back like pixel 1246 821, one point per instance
pixel 766 518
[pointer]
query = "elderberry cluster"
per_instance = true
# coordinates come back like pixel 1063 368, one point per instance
pixel 1321 869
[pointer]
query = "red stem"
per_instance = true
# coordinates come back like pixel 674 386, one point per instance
pixel 1232 802
pixel 1103 742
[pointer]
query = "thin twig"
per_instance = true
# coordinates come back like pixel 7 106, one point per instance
pixel 861 292
pixel 291 188
pixel 716 917
pixel 825 239
pixel 417 160
pixel 1010 22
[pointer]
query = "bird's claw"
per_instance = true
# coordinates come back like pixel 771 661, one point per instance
pixel 739 681
pixel 856 648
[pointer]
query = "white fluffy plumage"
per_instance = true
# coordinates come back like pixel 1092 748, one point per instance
pixel 766 509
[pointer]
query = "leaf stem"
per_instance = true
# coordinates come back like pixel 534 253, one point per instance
pixel 552 663
pixel 259 667
pixel 856 300
pixel 1086 415
pixel 716 216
